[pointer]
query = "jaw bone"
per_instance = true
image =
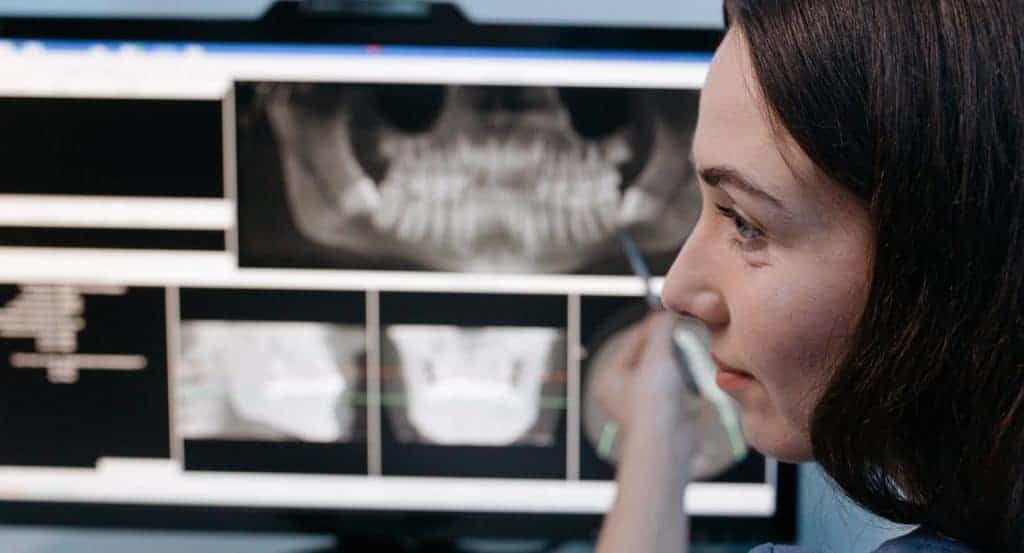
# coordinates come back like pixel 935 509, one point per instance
pixel 327 190
pixel 498 189
pixel 484 191
pixel 479 387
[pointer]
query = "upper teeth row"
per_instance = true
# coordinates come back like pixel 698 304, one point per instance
pixel 444 173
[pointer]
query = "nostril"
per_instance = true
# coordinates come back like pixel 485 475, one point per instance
pixel 693 293
pixel 673 305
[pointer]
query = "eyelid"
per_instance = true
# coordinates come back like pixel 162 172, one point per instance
pixel 733 207
pixel 778 212
pixel 704 187
pixel 725 176
pixel 738 217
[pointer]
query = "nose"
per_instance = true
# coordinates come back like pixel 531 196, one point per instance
pixel 694 284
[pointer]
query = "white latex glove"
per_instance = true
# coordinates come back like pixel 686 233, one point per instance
pixel 645 386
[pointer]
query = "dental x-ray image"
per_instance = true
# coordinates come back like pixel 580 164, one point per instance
pixel 485 386
pixel 280 381
pixel 506 179
pixel 271 380
pixel 474 385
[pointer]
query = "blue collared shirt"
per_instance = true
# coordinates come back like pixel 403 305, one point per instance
pixel 919 541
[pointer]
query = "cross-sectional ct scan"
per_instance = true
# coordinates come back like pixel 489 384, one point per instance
pixel 483 386
pixel 270 381
pixel 509 179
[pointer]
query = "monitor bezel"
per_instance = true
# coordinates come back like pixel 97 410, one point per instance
pixel 287 23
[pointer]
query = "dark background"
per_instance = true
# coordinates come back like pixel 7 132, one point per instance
pixel 104 413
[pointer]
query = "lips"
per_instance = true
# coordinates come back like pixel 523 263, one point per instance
pixel 729 370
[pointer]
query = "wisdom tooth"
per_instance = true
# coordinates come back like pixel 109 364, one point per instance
pixel 637 206
pixel 360 198
pixel 386 217
pixel 616 151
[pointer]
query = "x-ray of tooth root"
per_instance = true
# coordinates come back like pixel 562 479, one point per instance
pixel 270 381
pixel 483 386
pixel 53 316
pixel 527 179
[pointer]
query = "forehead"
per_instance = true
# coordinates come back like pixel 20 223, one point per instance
pixel 734 128
pixel 730 90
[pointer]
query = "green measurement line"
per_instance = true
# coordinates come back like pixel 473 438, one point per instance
pixel 398 399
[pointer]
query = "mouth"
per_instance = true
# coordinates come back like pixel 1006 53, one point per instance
pixel 499 185
pixel 522 209
pixel 728 377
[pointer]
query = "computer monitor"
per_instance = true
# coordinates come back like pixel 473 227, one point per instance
pixel 337 272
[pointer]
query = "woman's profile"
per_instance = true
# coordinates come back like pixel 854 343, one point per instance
pixel 859 264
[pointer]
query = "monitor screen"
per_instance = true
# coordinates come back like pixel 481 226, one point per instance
pixel 329 277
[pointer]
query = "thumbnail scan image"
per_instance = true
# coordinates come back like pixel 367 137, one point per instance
pixel 482 386
pixel 270 381
pixel 515 179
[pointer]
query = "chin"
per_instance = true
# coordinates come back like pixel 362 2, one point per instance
pixel 774 438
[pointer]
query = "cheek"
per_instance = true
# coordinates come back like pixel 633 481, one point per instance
pixel 793 329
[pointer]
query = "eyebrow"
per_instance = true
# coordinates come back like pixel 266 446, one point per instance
pixel 724 175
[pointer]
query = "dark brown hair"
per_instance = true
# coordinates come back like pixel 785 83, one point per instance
pixel 917 106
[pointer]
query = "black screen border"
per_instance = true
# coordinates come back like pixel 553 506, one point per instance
pixel 287 24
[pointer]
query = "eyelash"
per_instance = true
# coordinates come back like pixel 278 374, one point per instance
pixel 747 232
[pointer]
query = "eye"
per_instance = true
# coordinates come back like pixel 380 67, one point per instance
pixel 746 231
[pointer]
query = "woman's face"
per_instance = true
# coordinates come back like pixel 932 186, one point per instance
pixel 778 265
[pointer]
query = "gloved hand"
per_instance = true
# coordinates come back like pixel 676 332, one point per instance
pixel 645 391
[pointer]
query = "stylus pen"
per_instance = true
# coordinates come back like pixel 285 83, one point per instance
pixel 726 413
pixel 636 261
